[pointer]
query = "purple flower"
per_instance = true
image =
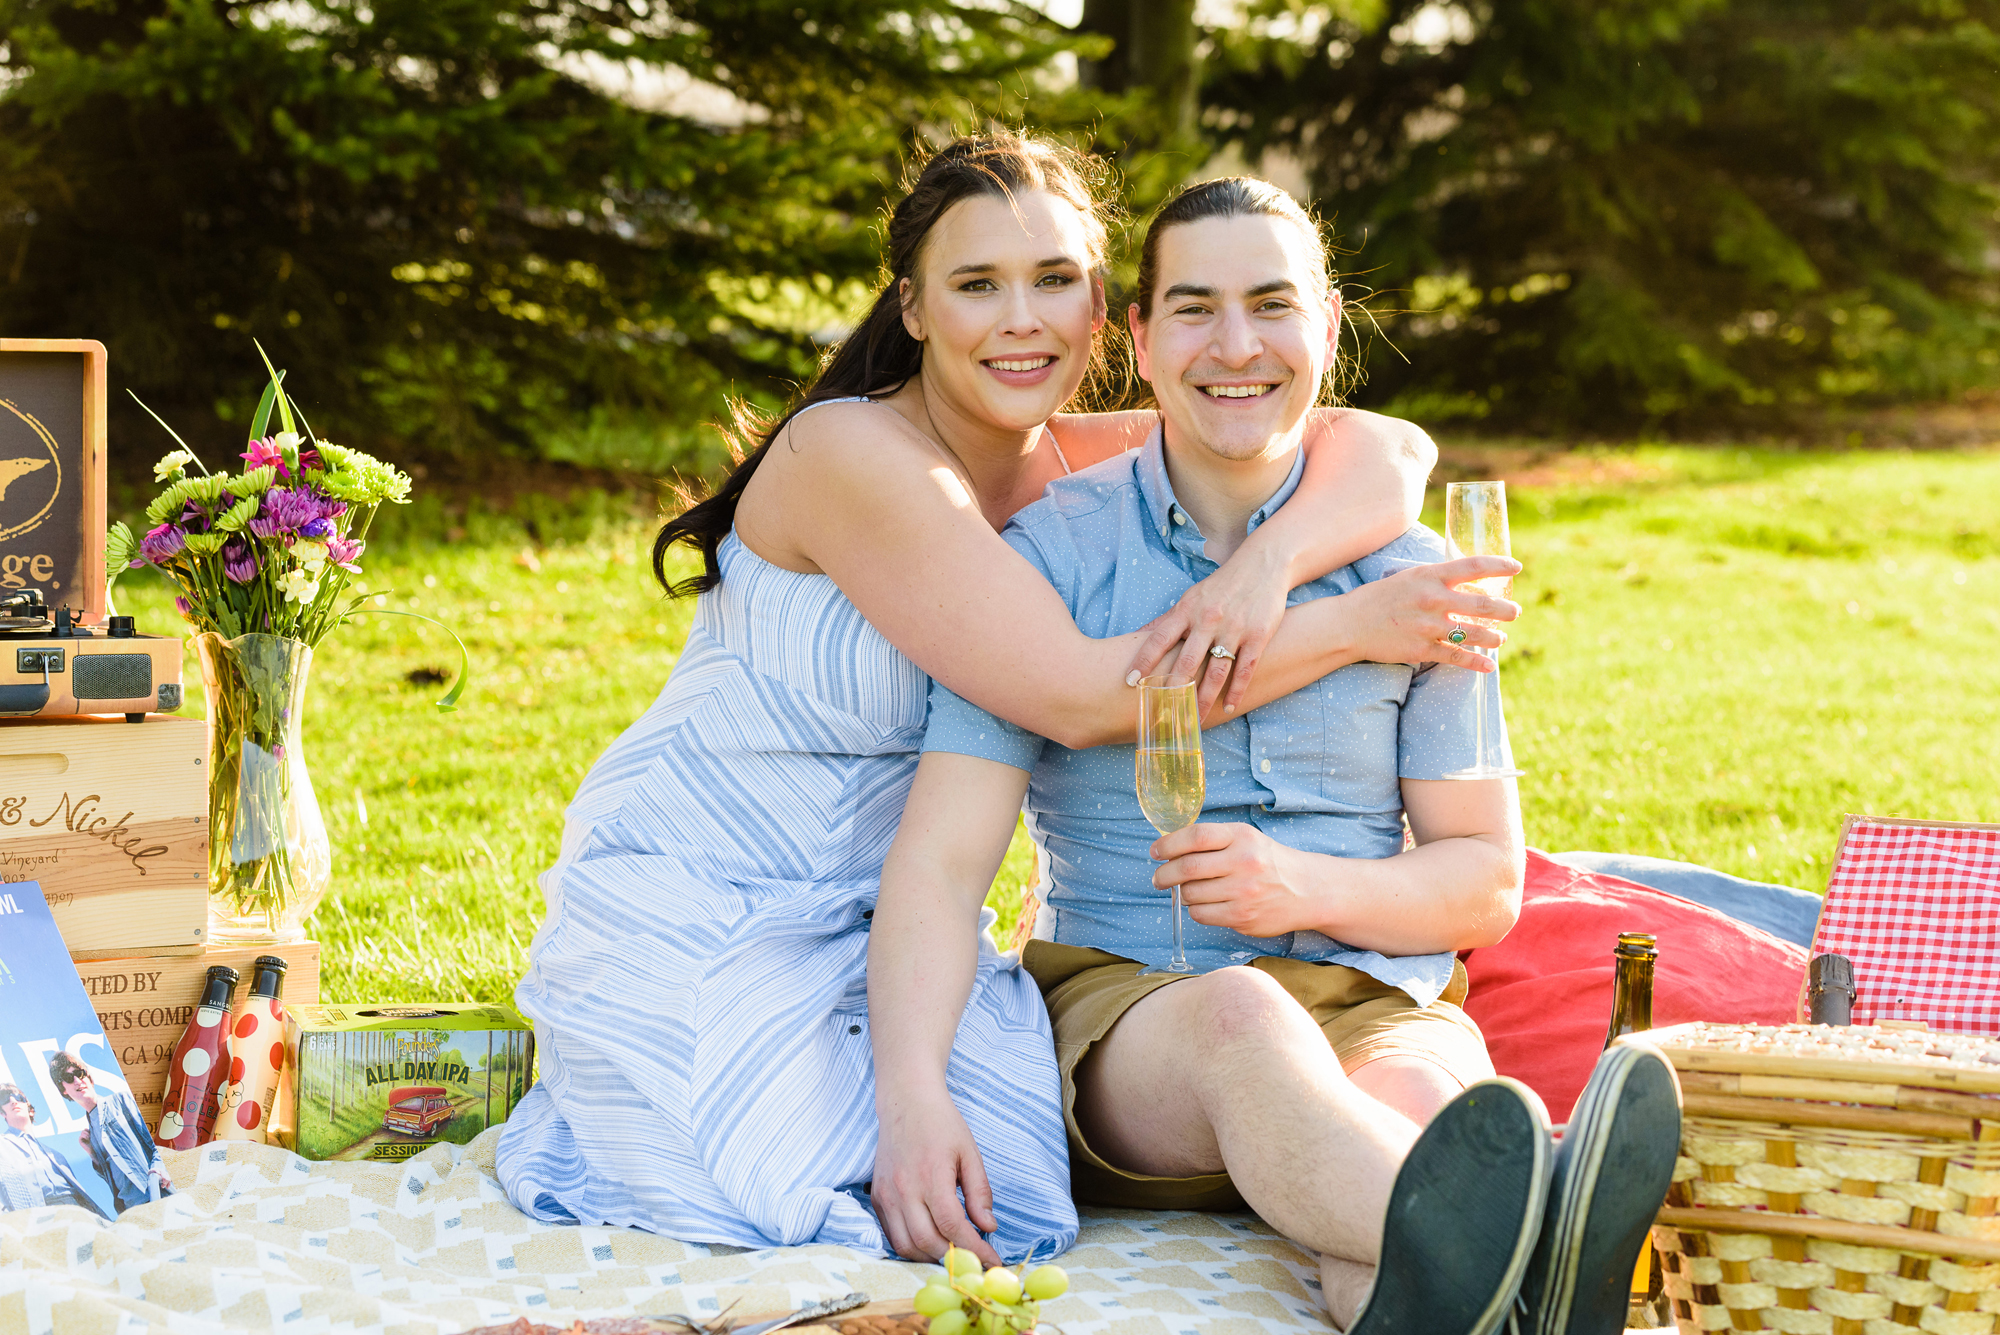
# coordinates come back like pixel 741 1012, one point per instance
pixel 344 552
pixel 162 544
pixel 263 452
pixel 287 513
pixel 184 607
pixel 239 561
pixel 195 519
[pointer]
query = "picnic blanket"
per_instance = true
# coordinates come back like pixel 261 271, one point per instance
pixel 256 1238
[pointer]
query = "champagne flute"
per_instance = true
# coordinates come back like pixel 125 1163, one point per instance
pixel 1168 773
pixel 1475 524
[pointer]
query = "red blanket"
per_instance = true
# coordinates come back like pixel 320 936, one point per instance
pixel 1543 996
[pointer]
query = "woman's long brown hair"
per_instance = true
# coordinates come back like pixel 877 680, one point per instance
pixel 880 357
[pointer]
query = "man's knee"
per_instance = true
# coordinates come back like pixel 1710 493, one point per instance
pixel 1245 1010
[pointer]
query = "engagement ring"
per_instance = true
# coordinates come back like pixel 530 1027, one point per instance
pixel 1457 636
pixel 1217 651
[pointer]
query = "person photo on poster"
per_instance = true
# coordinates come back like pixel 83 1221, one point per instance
pixel 118 1140
pixel 31 1174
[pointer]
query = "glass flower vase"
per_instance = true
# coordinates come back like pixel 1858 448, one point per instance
pixel 269 861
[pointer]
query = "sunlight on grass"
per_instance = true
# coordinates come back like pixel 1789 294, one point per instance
pixel 1723 652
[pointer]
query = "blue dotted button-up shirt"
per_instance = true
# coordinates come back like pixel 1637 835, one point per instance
pixel 1317 770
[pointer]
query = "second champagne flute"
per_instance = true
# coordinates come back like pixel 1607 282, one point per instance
pixel 1475 524
pixel 1168 773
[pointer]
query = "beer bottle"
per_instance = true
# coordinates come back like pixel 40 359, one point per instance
pixel 1830 990
pixel 243 1107
pixel 200 1061
pixel 1632 985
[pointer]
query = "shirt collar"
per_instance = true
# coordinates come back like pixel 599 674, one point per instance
pixel 1174 525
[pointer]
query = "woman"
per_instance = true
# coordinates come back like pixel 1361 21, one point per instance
pixel 699 984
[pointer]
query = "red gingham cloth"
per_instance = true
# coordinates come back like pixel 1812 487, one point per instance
pixel 1917 909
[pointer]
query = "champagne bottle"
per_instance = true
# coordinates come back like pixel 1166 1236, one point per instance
pixel 1830 990
pixel 243 1107
pixel 1632 1013
pixel 201 1059
pixel 1632 985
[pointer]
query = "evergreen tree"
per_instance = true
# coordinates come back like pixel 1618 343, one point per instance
pixel 564 226
pixel 1628 212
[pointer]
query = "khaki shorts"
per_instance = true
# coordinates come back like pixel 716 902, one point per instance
pixel 1363 1019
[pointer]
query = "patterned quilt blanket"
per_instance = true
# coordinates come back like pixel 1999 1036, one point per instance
pixel 258 1239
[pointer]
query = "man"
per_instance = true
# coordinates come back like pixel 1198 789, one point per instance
pixel 121 1145
pixel 31 1174
pixel 1295 1072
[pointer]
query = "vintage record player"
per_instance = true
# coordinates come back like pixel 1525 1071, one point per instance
pixel 60 653
pixel 50 665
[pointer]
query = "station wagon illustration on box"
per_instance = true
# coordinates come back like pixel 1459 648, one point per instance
pixel 415 1109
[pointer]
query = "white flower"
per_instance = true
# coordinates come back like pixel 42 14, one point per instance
pixel 311 554
pixel 171 465
pixel 288 441
pixel 298 586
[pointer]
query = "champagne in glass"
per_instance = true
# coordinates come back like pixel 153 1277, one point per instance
pixel 1167 773
pixel 1475 524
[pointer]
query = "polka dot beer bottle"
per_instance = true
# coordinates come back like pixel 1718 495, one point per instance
pixel 257 1039
pixel 200 1060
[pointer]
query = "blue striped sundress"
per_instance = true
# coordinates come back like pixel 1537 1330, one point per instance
pixel 699 985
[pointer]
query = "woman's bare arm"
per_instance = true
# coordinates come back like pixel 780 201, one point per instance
pixel 870 502
pixel 922 956
pixel 1362 488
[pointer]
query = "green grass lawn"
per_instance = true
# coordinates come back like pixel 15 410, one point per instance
pixel 1723 652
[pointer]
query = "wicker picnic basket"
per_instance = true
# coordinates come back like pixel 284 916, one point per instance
pixel 1834 1180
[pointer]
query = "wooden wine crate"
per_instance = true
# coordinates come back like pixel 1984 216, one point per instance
pixel 144 1003
pixel 112 818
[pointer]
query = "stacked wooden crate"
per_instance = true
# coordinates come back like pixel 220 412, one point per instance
pixel 112 819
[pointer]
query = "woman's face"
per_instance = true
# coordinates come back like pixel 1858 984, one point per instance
pixel 1006 307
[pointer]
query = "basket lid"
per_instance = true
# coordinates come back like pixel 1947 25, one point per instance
pixel 1889 1053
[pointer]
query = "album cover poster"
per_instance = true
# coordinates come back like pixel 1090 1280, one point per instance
pixel 70 1133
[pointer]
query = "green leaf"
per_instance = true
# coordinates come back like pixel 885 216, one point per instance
pixel 277 387
pixel 170 431
pixel 450 700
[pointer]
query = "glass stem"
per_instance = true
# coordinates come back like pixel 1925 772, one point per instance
pixel 1481 696
pixel 1180 954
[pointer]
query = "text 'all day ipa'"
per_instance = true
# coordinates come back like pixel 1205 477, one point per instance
pixel 200 1061
pixel 257 1040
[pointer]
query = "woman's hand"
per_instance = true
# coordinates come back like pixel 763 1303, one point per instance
pixel 924 1155
pixel 1407 617
pixel 1238 607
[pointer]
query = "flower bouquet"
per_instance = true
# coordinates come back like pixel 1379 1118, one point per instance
pixel 264 559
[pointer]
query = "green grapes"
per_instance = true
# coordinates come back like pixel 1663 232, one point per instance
pixel 969 1301
pixel 935 1299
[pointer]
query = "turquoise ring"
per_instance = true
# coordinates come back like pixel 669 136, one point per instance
pixel 1457 636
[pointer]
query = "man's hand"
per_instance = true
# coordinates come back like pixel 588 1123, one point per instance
pixel 924 1154
pixel 1238 877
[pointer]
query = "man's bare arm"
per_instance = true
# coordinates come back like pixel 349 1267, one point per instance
pixel 1459 888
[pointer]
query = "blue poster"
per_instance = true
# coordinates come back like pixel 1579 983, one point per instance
pixel 70 1133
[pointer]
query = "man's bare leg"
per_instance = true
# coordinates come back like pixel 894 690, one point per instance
pixel 1416 1088
pixel 1228 1069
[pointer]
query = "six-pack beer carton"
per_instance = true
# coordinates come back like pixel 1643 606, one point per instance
pixel 387 1081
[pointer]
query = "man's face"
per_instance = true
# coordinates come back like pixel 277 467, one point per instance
pixel 18 1114
pixel 79 1089
pixel 1242 330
